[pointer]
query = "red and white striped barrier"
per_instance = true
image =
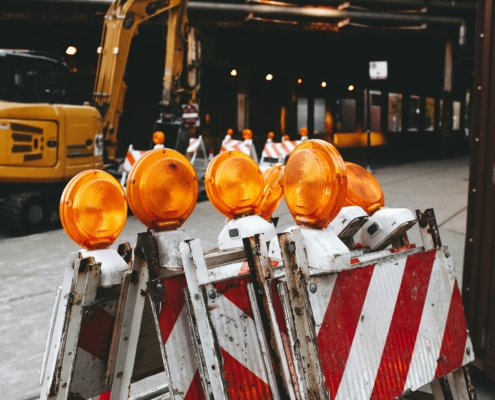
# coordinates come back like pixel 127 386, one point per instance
pixel 280 150
pixel 244 146
pixel 232 344
pixel 130 159
pixel 382 327
pixel 183 371
pixel 197 146
pixel 277 153
pixel 194 145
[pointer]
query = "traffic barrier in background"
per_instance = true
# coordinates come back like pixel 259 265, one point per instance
pixel 277 153
pixel 130 159
pixel 196 152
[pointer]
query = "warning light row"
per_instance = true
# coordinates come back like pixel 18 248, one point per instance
pixel 162 190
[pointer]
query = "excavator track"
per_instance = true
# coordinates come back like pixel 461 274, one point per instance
pixel 26 212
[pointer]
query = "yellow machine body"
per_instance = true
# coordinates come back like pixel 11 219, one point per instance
pixel 48 143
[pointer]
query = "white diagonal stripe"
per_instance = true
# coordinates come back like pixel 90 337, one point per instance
pixel 89 375
pixel 372 331
pixel 236 334
pixel 321 298
pixel 432 326
pixel 180 355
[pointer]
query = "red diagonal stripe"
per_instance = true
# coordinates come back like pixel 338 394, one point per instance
pixel 340 322
pixel 96 334
pixel 236 291
pixel 130 158
pixel 172 303
pixel 399 347
pixel 240 382
pixel 454 338
pixel 195 391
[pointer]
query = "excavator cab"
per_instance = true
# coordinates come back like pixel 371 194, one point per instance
pixel 34 77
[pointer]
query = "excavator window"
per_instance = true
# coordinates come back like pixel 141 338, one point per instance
pixel 32 79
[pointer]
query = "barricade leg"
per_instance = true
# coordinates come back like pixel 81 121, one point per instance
pixel 228 322
pixel 171 323
pixel 130 327
pixel 86 284
pixel 261 277
pixel 463 384
pixel 305 348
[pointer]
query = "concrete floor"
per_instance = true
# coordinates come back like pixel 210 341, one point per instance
pixel 32 266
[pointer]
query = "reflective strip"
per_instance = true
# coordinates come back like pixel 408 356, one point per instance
pixel 193 145
pixel 431 329
pixel 392 373
pixel 371 333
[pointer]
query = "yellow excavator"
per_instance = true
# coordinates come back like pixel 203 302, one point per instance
pixel 45 140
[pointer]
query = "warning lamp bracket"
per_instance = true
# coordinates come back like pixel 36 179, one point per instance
pixel 325 251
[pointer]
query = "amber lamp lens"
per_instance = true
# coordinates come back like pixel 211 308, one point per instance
pixel 363 189
pixel 271 135
pixel 93 209
pixel 234 184
pixel 286 137
pixel 272 192
pixel 162 189
pixel 315 183
pixel 158 137
pixel 247 134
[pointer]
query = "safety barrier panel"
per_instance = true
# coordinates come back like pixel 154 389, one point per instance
pixel 244 146
pixel 234 324
pixel 277 153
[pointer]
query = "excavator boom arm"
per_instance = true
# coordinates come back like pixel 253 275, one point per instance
pixel 121 25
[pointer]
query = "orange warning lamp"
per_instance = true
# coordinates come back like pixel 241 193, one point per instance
pixel 271 135
pixel 234 184
pixel 272 191
pixel 247 134
pixel 303 131
pixel 315 183
pixel 162 189
pixel 158 137
pixel 363 189
pixel 230 132
pixel 93 209
pixel 286 137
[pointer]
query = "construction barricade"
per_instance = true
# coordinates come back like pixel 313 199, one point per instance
pixel 244 146
pixel 276 153
pixel 300 315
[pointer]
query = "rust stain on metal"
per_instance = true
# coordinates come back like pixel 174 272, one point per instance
pixel 150 254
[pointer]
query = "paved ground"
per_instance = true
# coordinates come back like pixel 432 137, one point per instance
pixel 32 266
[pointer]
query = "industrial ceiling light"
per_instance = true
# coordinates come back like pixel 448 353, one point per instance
pixel 269 77
pixel 233 72
pixel 323 84
pixel 71 50
pixel 350 88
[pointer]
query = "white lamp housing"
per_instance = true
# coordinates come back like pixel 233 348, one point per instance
pixel 236 229
pixel 323 249
pixel 386 225
pixel 348 222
